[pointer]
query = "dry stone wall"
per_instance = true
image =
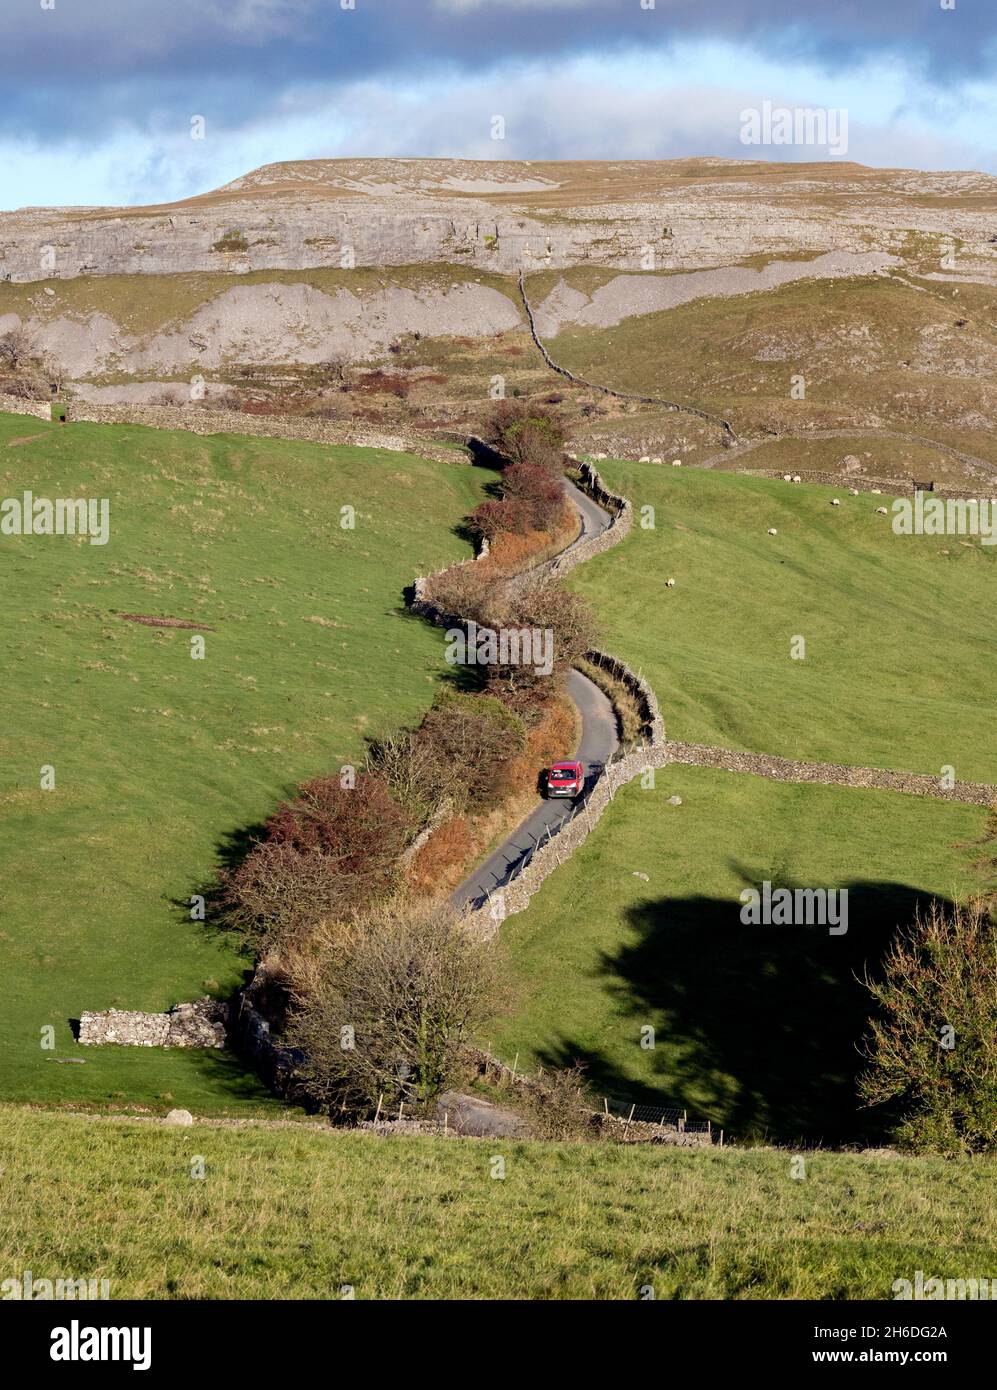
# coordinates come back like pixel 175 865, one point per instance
pixel 198 420
pixel 827 774
pixel 199 1024
pixel 728 429
pixel 516 895
pixel 889 487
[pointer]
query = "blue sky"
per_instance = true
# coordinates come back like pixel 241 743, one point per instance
pixel 99 95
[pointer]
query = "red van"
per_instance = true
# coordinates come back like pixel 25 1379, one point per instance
pixel 565 779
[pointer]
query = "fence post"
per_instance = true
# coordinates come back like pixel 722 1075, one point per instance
pixel 377 1114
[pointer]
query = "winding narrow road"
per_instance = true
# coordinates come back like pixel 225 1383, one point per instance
pixel 598 742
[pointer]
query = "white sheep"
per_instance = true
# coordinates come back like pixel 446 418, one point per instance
pixel 656 460
pixel 670 583
pixel 797 478
pixel 644 458
pixel 787 477
pixel 881 511
pixel 773 531
pixel 676 463
pixel 835 502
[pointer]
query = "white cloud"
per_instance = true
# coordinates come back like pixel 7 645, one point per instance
pixel 623 108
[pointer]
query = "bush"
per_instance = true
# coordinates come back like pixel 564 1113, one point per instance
pixel 525 433
pixel 439 863
pixel 538 493
pixel 491 519
pixel 542 603
pixel 396 998
pixel 361 830
pixel 556 1107
pixel 466 743
pixel 462 590
pixel 277 895
pixel 940 974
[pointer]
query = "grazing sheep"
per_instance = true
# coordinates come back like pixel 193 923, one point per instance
pixel 835 502
pixel 882 511
pixel 854 491
pixel 644 458
pixel 773 531
pixel 676 463
pixel 656 460
pixel 877 492
pixel 797 478
pixel 787 477
pixel 670 583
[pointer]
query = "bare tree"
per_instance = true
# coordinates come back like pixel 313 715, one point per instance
pixel 396 997
pixel 19 349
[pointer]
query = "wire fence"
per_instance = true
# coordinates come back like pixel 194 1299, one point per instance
pixel 660 1114
pixel 665 1115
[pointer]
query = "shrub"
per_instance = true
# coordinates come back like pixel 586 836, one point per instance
pixel 466 742
pixel 404 767
pixel 395 1000
pixel 462 590
pixel 278 895
pixel 491 519
pixel 556 1107
pixel 361 830
pixel 439 863
pixel 542 603
pixel 940 974
pixel 538 493
pixel 525 433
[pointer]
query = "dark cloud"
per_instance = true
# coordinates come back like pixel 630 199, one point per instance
pixel 88 66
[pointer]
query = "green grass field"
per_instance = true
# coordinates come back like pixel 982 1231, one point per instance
pixel 283 1214
pixel 872 350
pixel 163 762
pixel 754 1027
pixel 900 661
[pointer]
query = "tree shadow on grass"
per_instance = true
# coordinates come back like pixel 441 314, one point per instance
pixel 756 1027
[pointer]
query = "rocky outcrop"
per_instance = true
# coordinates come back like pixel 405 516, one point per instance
pixel 199 1024
pixel 504 215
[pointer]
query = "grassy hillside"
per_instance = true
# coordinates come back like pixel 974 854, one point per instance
pixel 161 761
pixel 901 653
pixel 286 1214
pixel 755 1027
pixel 873 351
